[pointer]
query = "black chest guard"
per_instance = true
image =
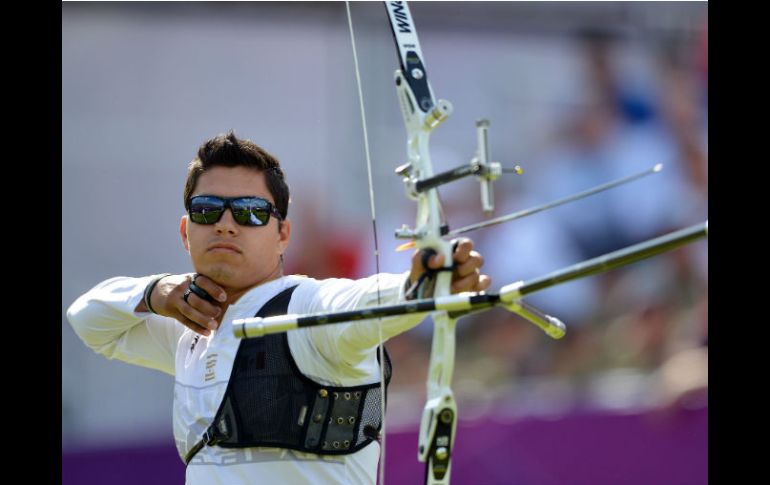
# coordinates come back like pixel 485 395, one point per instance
pixel 269 402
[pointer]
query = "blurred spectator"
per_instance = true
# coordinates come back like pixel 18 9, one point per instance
pixel 647 318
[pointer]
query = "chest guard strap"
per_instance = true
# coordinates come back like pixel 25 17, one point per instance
pixel 269 402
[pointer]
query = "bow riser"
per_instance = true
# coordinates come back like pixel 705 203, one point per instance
pixel 438 423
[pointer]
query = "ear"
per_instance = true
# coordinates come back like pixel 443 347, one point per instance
pixel 284 235
pixel 183 233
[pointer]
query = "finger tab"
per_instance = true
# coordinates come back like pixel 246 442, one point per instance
pixel 201 293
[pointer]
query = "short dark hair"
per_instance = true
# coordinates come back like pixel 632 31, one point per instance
pixel 227 150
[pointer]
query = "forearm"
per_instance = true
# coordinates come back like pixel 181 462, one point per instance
pixel 355 341
pixel 111 320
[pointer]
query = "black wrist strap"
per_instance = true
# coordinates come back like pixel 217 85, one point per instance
pixel 148 291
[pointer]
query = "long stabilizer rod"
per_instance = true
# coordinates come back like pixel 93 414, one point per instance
pixel 600 264
pixel 581 195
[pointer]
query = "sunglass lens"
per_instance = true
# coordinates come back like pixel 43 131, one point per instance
pixel 206 210
pixel 250 212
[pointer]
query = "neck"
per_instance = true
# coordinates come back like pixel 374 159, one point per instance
pixel 234 294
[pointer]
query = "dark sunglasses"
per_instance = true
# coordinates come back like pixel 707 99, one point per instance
pixel 247 210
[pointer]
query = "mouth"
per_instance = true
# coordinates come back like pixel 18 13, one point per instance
pixel 224 248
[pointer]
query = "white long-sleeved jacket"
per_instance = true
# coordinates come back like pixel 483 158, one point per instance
pixel 339 355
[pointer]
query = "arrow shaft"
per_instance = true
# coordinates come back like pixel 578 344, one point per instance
pixel 461 303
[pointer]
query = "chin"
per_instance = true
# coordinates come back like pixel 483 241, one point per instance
pixel 222 274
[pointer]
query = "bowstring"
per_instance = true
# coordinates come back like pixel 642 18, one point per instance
pixel 376 247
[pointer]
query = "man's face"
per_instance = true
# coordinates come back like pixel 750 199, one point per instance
pixel 232 255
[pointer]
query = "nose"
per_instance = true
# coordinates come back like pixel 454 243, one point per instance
pixel 226 224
